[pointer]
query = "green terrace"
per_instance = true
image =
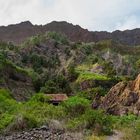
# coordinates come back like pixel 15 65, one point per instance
pixel 86 74
pixel 91 76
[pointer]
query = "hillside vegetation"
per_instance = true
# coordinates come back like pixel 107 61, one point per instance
pixel 50 63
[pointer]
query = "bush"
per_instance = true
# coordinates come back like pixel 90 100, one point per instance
pixel 50 87
pixel 131 128
pixel 5 120
pixel 98 91
pixel 56 84
pixel 124 121
pixel 35 40
pixel 99 121
pixel 58 37
pixel 91 93
pixel 92 59
pixel 92 119
pixel 72 74
pixel 36 61
pixel 39 107
pixel 7 104
pixel 76 106
pixel 40 97
pixel 109 69
pixel 137 127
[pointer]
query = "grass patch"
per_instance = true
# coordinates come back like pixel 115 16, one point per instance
pixel 91 76
pixel 84 67
pixel 76 112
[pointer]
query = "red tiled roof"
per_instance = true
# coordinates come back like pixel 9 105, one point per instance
pixel 58 97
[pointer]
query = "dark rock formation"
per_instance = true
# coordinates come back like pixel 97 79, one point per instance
pixel 74 33
pixel 20 32
pixel 123 98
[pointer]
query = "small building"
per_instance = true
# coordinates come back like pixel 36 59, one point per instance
pixel 55 99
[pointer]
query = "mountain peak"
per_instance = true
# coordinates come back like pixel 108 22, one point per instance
pixel 26 23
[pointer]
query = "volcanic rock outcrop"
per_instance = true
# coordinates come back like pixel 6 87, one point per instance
pixel 123 98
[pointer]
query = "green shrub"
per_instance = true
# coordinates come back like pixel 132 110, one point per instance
pixel 40 97
pixel 99 121
pixel 5 120
pixel 7 104
pixel 50 87
pixel 91 93
pixel 92 59
pixel 76 106
pixel 76 124
pixel 37 111
pixel 131 128
pixel 56 84
pixel 84 94
pixel 109 69
pixel 72 73
pixel 84 48
pixel 94 120
pixel 98 91
pixel 37 81
pixel 35 40
pixel 137 127
pixel 124 121
pixel 58 37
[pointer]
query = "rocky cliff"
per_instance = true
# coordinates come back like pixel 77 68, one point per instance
pixel 123 98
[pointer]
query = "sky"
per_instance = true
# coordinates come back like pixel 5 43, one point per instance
pixel 94 15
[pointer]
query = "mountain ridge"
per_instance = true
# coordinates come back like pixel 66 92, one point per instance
pixel 18 33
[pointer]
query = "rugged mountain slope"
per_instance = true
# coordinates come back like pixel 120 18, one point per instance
pixel 127 37
pixel 54 62
pixel 16 80
pixel 74 33
pixel 20 32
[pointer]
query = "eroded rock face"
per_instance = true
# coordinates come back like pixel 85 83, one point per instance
pixel 123 98
pixel 136 84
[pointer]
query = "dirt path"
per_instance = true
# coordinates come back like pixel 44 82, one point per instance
pixel 116 136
